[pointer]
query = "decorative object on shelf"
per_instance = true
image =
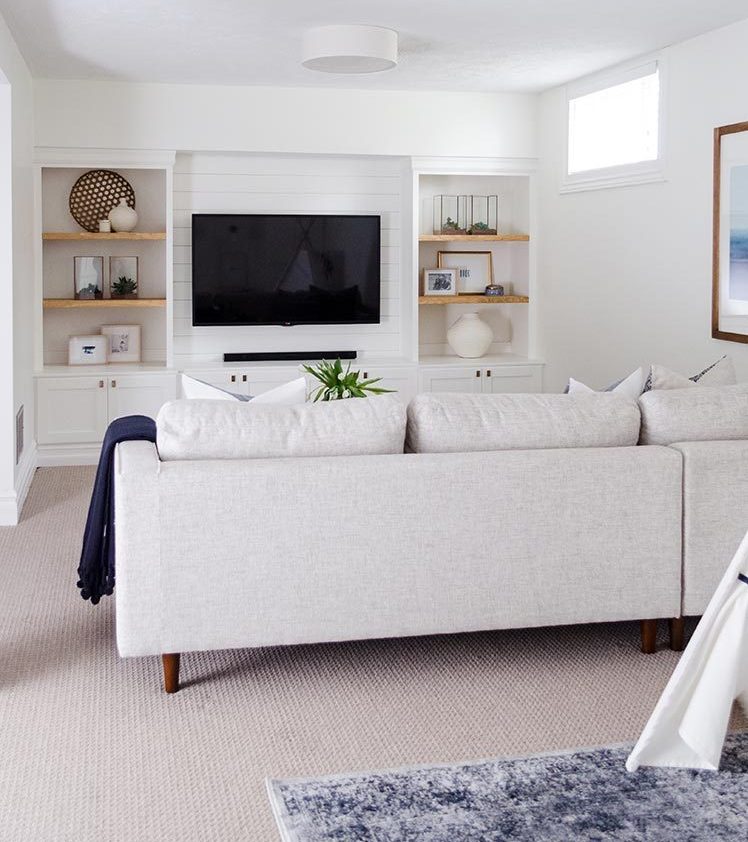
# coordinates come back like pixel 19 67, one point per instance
pixel 450 214
pixel 95 193
pixel 470 337
pixel 88 277
pixel 123 217
pixel 123 343
pixel 337 383
pixel 440 281
pixel 105 226
pixel 730 234
pixel 475 268
pixel 495 289
pixel 123 277
pixel 87 350
pixel 484 215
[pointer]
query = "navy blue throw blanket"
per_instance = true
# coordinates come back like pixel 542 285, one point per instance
pixel 96 570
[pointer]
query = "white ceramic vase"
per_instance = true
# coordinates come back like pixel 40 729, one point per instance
pixel 123 217
pixel 470 336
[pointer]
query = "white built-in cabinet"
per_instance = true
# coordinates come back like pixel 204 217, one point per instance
pixel 478 378
pixel 77 409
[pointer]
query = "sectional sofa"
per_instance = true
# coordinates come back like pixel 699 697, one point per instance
pixel 263 526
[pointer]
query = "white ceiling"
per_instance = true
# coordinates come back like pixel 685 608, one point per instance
pixel 464 45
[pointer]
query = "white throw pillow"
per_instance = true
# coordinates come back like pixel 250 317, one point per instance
pixel 721 373
pixel 289 394
pixel 193 389
pixel 630 387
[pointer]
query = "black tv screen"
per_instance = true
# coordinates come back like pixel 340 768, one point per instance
pixel 252 269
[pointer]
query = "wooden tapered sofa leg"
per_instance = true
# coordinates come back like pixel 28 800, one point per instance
pixel 171 672
pixel 649 636
pixel 677 634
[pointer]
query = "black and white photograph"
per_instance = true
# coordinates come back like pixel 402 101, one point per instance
pixel 440 281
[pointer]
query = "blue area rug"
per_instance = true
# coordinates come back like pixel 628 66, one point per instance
pixel 584 795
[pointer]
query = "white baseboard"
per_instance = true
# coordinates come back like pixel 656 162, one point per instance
pixel 66 455
pixel 11 504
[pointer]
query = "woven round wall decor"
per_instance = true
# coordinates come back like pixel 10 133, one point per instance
pixel 95 193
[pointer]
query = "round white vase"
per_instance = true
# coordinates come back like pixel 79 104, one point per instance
pixel 470 336
pixel 123 217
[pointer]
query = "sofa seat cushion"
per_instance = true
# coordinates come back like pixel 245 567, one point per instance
pixel 709 413
pixel 449 423
pixel 195 429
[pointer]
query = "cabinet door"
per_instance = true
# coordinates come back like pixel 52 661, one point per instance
pixel 139 394
pixel 403 380
pixel 262 380
pixel 451 379
pixel 71 410
pixel 232 380
pixel 512 378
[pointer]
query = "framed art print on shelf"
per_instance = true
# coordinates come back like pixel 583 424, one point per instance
pixel 440 281
pixel 87 350
pixel 475 269
pixel 123 343
pixel 730 234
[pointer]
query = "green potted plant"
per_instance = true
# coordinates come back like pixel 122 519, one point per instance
pixel 337 383
pixel 124 287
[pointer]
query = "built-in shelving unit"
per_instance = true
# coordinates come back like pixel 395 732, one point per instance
pixel 474 238
pixel 100 235
pixel 106 303
pixel 473 299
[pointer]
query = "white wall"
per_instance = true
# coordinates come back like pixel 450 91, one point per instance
pixel 625 274
pixel 16 272
pixel 256 119
pixel 232 183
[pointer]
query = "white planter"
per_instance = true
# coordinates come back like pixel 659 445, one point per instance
pixel 123 217
pixel 469 336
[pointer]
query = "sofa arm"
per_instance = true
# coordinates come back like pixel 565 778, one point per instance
pixel 137 548
pixel 715 514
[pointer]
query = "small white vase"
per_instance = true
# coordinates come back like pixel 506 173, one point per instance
pixel 470 336
pixel 123 217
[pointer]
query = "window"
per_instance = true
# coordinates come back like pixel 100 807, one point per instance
pixel 614 131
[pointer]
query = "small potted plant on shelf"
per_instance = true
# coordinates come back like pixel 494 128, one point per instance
pixel 89 292
pixel 124 287
pixel 337 383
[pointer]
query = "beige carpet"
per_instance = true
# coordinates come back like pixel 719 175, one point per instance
pixel 92 750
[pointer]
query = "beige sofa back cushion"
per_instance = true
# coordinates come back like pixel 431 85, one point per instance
pixel 197 429
pixel 449 423
pixel 704 414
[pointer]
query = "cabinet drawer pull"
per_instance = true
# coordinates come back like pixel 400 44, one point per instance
pixel 114 384
pixel 366 375
pixel 477 373
pixel 244 378
pixel 233 378
pixel 488 372
pixel 101 384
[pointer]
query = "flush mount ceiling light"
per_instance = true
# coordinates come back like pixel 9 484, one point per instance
pixel 349 49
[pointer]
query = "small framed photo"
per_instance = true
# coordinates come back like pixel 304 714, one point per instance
pixel 87 350
pixel 123 277
pixel 475 269
pixel 440 281
pixel 88 277
pixel 123 343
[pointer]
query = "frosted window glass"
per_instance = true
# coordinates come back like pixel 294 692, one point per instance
pixel 615 126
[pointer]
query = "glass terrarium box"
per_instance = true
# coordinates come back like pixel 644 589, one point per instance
pixel 484 215
pixel 451 214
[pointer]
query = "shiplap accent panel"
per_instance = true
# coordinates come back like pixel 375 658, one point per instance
pixel 242 183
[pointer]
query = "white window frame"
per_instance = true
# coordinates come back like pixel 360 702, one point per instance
pixel 641 172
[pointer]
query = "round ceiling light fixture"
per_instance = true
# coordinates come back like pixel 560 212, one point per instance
pixel 349 49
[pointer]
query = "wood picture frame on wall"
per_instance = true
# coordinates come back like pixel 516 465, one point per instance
pixel 730 234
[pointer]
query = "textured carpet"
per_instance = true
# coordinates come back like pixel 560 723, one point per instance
pixel 587 795
pixel 92 750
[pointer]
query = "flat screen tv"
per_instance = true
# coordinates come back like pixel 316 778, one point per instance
pixel 262 269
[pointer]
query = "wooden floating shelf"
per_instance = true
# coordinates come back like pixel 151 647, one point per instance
pixel 93 303
pixel 474 238
pixel 98 235
pixel 473 299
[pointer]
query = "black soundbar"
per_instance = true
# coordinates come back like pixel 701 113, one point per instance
pixel 288 355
